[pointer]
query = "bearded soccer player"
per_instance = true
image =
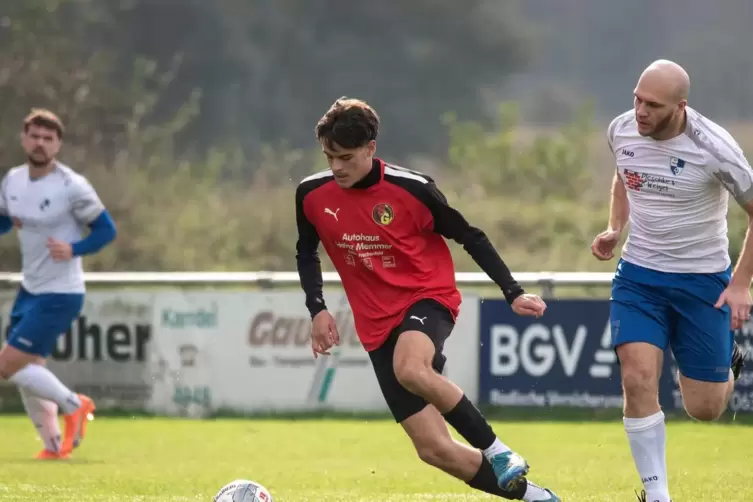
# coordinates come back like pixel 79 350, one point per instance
pixel 50 205
pixel 383 228
pixel 674 286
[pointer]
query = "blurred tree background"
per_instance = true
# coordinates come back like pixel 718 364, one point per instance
pixel 194 119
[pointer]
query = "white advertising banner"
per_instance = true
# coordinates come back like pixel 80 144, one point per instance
pixel 251 352
pixel 192 353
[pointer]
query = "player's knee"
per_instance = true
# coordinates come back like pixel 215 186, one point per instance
pixel 12 361
pixel 639 382
pixel 436 452
pixel 413 374
pixel 6 370
pixel 706 410
pixel 704 413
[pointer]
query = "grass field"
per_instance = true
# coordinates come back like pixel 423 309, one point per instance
pixel 145 459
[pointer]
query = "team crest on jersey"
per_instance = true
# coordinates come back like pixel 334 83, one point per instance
pixel 676 164
pixel 383 214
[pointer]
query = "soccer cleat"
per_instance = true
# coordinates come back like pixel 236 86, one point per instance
pixel 738 361
pixel 642 497
pixel 521 486
pixel 75 424
pixel 510 468
pixel 552 497
pixel 51 455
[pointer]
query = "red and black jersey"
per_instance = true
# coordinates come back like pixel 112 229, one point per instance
pixel 385 236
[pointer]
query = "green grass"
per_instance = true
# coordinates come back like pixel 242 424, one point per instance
pixel 146 459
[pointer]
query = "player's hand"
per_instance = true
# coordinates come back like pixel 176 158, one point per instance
pixel 59 250
pixel 323 333
pixel 17 223
pixel 739 301
pixel 604 244
pixel 528 304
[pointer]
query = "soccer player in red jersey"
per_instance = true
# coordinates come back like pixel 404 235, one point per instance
pixel 383 227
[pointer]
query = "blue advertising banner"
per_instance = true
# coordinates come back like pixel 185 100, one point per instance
pixel 565 359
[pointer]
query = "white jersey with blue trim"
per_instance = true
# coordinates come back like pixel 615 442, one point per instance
pixel 678 191
pixel 59 205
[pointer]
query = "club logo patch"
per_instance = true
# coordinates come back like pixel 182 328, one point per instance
pixel 383 214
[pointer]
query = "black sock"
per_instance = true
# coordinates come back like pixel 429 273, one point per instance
pixel 471 424
pixel 486 481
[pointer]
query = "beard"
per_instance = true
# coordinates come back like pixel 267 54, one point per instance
pixel 660 127
pixel 38 159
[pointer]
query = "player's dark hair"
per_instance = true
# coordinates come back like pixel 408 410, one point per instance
pixel 349 123
pixel 44 118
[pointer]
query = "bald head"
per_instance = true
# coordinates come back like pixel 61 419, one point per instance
pixel 667 80
pixel 660 99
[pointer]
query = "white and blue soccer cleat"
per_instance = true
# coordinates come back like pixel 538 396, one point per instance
pixel 552 497
pixel 544 494
pixel 510 468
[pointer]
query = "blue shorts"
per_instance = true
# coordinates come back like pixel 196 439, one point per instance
pixel 36 321
pixel 675 310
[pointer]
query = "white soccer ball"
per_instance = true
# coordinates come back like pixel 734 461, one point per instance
pixel 243 490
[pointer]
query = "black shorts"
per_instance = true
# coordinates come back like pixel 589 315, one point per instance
pixel 426 316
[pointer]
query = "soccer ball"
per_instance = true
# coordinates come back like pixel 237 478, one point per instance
pixel 243 490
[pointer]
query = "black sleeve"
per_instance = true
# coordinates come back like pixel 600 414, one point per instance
pixel 307 257
pixel 449 223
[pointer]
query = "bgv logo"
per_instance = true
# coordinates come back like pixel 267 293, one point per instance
pixel 535 349
pixel 539 347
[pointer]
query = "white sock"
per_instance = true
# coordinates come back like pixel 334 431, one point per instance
pixel 496 448
pixel 44 416
pixel 647 437
pixel 40 382
pixel 535 493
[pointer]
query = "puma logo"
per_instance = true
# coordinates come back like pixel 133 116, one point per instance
pixel 333 213
pixel 419 319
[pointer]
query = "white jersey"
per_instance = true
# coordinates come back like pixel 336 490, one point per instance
pixel 58 205
pixel 678 192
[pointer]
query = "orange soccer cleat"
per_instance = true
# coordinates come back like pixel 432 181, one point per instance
pixel 51 455
pixel 75 424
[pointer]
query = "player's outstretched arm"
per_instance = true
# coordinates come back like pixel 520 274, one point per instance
pixel 451 224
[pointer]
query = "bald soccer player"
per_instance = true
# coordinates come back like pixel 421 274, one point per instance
pixel 674 285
